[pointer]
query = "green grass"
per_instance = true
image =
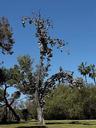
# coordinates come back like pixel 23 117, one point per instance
pixel 72 124
pixel 57 124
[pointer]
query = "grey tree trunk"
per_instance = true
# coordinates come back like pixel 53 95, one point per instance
pixel 40 115
pixel 86 79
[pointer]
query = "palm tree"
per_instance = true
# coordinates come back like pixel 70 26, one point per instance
pixel 92 73
pixel 84 70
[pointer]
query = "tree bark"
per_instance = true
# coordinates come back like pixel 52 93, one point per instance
pixel 6 112
pixel 86 79
pixel 40 115
pixel 14 113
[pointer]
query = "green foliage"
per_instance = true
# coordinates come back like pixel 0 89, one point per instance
pixel 6 39
pixel 25 63
pixel 55 104
pixel 7 100
pixel 4 75
pixel 84 70
pixel 92 73
pixel 22 76
pixel 89 70
pixel 66 103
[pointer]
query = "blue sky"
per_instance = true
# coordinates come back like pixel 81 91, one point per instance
pixel 73 20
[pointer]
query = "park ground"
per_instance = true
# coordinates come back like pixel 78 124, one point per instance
pixel 56 124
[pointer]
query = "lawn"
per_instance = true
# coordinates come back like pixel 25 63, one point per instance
pixel 57 124
pixel 72 124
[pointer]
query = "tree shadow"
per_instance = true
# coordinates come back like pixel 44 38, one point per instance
pixel 71 122
pixel 8 122
pixel 32 127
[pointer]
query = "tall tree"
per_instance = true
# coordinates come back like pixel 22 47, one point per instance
pixel 38 82
pixel 46 43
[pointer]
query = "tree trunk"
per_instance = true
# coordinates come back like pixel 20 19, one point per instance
pixel 9 106
pixel 86 79
pixel 40 115
pixel 14 113
pixel 4 117
pixel 5 111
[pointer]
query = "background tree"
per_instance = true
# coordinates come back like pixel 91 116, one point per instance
pixel 62 103
pixel 8 100
pixel 25 114
pixel 84 70
pixel 6 40
pixel 89 70
pixel 32 108
pixel 6 36
pixel 92 73
pixel 6 45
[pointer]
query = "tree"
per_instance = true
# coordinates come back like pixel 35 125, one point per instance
pixel 56 106
pixel 1 98
pixel 89 70
pixel 6 45
pixel 5 83
pixel 27 81
pixel 38 82
pixel 32 108
pixel 84 70
pixel 92 73
pixel 46 43
pixel 6 39
pixel 66 103
pixel 25 113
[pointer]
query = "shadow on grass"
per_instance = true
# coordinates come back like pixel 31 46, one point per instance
pixel 71 122
pixel 9 122
pixel 32 127
pixel 47 123
pixel 15 122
